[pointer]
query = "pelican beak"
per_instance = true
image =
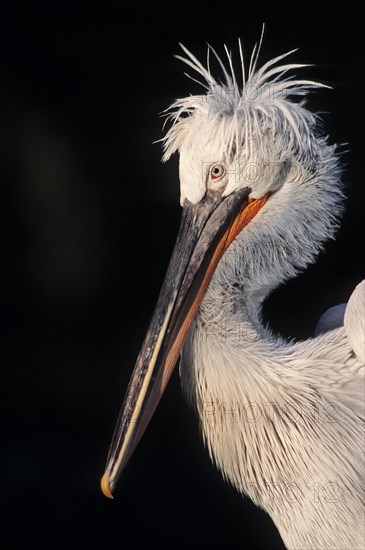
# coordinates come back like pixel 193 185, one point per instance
pixel 206 231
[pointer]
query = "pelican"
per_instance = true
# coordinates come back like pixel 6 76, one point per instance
pixel 261 192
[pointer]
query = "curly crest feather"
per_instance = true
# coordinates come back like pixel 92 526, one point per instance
pixel 244 114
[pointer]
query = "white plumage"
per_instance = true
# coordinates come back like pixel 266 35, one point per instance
pixel 283 421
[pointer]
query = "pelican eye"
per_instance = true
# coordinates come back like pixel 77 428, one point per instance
pixel 217 171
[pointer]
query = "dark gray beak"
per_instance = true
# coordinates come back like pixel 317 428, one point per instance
pixel 206 231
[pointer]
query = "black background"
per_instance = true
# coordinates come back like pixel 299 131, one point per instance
pixel 89 216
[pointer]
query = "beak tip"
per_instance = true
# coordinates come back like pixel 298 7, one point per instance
pixel 105 486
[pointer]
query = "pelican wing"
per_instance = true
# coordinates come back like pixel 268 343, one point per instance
pixel 332 318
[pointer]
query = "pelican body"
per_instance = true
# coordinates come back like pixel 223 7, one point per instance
pixel 282 420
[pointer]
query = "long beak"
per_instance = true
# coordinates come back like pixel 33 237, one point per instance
pixel 206 231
